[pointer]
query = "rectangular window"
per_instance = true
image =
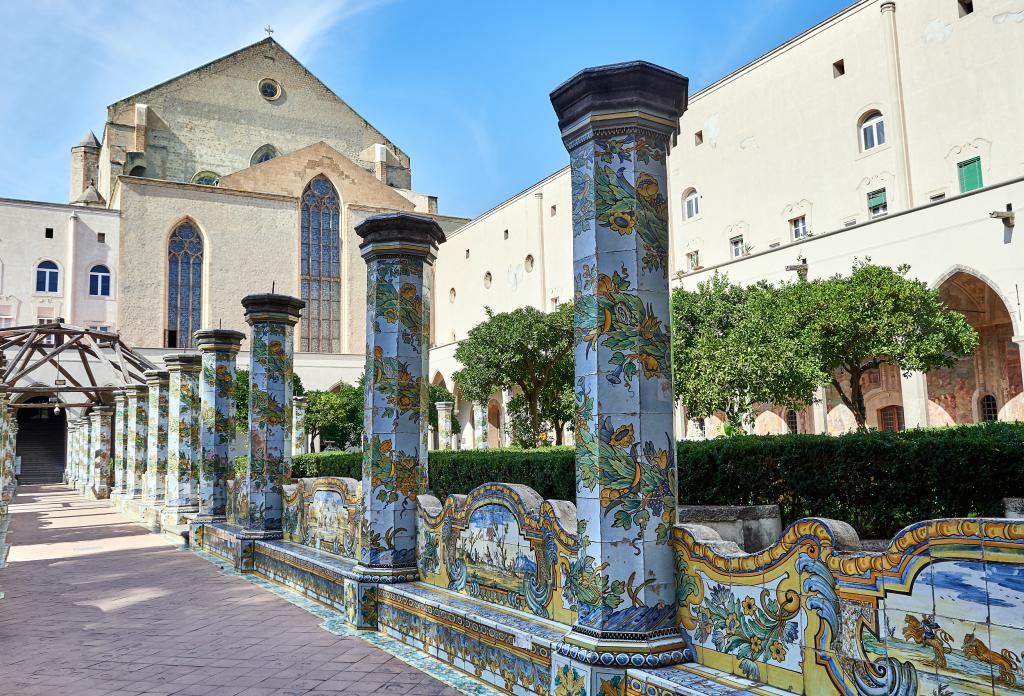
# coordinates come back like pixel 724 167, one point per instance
pixel 877 204
pixel 969 173
pixel 554 209
pixel 101 237
pixel 798 226
pixel 838 68
pixel 698 138
pixel 50 339
pixel 936 197
pixel 736 247
pixel 890 419
pixel 966 7
pixel 48 233
pixel 99 327
pixel 692 260
pixel 467 253
pixel 172 338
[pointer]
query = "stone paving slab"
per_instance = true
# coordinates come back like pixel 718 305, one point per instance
pixel 94 604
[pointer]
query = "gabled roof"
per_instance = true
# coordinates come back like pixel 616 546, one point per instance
pixel 288 174
pixel 236 56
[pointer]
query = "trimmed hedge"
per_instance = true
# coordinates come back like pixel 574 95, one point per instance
pixel 333 463
pixel 548 470
pixel 878 482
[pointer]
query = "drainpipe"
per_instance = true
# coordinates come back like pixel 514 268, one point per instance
pixel 70 273
pixel 896 80
pixel 538 262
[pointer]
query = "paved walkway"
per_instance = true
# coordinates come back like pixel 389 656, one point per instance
pixel 97 605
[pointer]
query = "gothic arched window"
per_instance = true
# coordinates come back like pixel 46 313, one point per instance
pixel 321 267
pixel 184 285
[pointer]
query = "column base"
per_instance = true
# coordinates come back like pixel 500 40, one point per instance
pixel 150 512
pixel 177 515
pixel 361 604
pixel 601 663
pixel 99 493
pixel 245 551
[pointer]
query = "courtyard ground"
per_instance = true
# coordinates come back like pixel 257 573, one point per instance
pixel 94 604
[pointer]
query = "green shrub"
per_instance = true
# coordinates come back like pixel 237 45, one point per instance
pixel 240 465
pixel 333 463
pixel 878 482
pixel 551 471
pixel 548 470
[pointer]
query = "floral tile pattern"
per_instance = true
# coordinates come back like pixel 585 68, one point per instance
pixel 219 349
pixel 183 441
pixel 137 417
pixel 156 447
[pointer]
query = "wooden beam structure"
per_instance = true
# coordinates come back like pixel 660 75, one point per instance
pixel 30 362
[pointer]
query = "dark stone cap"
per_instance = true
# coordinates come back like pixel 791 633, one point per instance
pixel 269 306
pixel 183 360
pixel 156 375
pixel 399 233
pixel 637 86
pixel 218 339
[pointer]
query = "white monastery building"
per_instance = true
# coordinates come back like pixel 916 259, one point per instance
pixel 892 130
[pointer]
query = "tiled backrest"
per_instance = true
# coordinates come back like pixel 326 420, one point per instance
pixel 323 513
pixel 504 544
pixel 940 611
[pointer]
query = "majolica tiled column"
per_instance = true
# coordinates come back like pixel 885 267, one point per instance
pixel 272 318
pixel 99 451
pixel 85 472
pixel 120 444
pixel 617 122
pixel 397 248
pixel 137 421
pixel 480 424
pixel 219 348
pixel 157 382
pixel 444 424
pixel 298 425
pixel 181 486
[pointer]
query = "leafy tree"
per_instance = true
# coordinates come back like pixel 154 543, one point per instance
pixel 242 395
pixel 877 314
pixel 335 416
pixel 559 406
pixel 734 347
pixel 524 348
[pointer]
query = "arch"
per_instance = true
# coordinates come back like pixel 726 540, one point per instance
pixel 320 266
pixel 493 424
pixel 137 170
pixel 988 408
pixel 871 130
pixel 954 269
pixel 792 421
pixel 206 178
pixel 438 380
pixel 99 281
pixel 185 252
pixel 47 276
pixel 264 153
pixel 957 394
pixel 691 203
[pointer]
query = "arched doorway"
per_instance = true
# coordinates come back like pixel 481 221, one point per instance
pixel 40 442
pixel 493 424
pixel 958 394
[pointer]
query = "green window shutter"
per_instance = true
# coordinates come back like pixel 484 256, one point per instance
pixel 969 172
pixel 876 198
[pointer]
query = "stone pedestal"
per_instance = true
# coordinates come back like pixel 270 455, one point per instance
pixel 617 122
pixel 219 348
pixel 396 248
pixel 272 318
pixel 181 487
pixel 444 424
pixel 157 382
pixel 136 432
pixel 480 425
pixel 99 452
pixel 299 444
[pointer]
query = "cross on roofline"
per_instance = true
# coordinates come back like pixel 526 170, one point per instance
pixel 268 30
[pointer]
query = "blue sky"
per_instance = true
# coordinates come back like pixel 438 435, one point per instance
pixel 462 87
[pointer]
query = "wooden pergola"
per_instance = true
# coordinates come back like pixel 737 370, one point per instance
pixel 31 357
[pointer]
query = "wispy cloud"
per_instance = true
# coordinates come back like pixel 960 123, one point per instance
pixel 734 48
pixel 69 59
